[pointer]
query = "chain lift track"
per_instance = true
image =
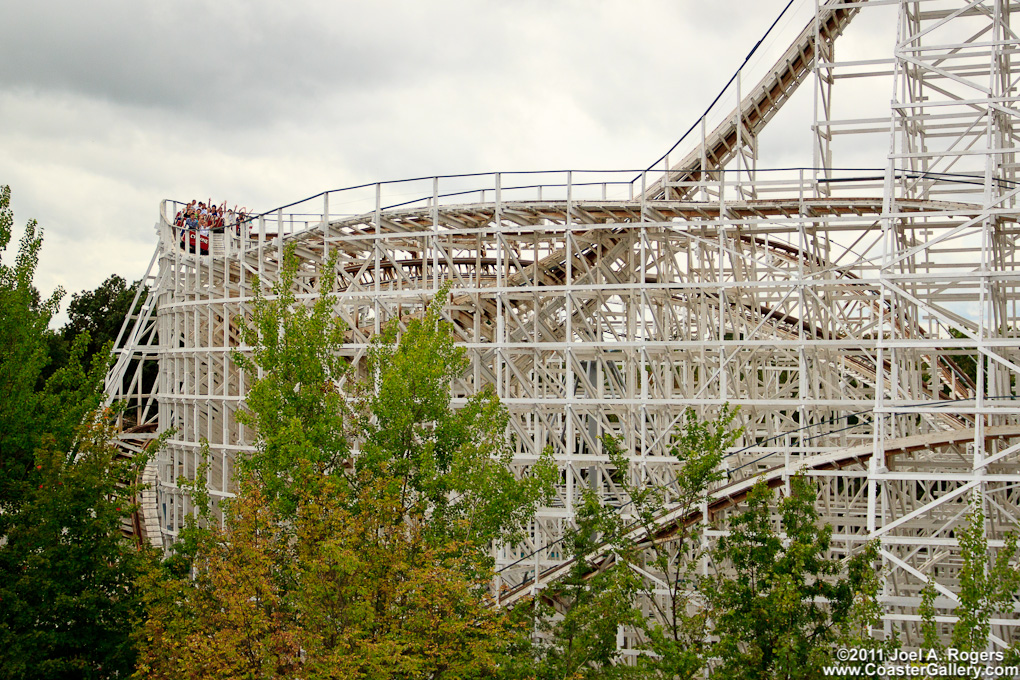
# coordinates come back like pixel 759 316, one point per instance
pixel 864 320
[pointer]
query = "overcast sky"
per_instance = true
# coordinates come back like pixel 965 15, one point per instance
pixel 109 106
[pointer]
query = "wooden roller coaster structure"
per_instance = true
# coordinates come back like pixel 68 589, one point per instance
pixel 864 321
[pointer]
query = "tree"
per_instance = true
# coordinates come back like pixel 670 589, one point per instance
pixel 66 597
pixel 676 637
pixel 97 316
pixel 450 469
pixel 580 614
pixel 304 425
pixel 36 413
pixel 100 312
pixel 779 603
pixel 595 602
pixel 359 544
pixel 777 606
pixel 987 584
pixel 226 617
pixel 68 600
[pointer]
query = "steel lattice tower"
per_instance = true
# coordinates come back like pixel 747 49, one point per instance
pixel 864 321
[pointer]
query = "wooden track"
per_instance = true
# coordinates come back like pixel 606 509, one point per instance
pixel 758 108
pixel 610 219
pixel 730 494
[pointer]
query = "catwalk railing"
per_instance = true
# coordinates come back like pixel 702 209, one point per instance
pixel 567 187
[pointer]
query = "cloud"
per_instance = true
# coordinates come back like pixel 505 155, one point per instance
pixel 110 106
pixel 245 63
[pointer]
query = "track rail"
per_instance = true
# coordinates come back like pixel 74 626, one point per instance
pixel 730 494
pixel 610 219
pixel 759 107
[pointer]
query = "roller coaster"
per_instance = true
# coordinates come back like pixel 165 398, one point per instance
pixel 862 316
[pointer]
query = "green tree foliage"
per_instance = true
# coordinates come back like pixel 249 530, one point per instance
pixel 581 614
pixel 305 425
pixel 450 469
pixel 36 413
pixel 594 604
pixel 100 313
pixel 676 636
pixel 987 583
pixel 226 617
pixel 779 602
pixel 96 316
pixel 66 599
pixel 777 605
pixel 359 544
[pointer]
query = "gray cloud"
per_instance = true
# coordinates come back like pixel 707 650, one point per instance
pixel 109 106
pixel 244 62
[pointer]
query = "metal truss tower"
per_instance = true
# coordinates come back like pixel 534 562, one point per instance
pixel 862 313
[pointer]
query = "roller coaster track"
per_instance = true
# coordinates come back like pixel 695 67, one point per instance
pixel 757 108
pixel 728 495
pixel 542 294
pixel 605 236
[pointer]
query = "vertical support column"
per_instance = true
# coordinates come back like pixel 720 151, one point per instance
pixel 643 313
pixel 703 175
pixel 739 125
pixel 262 264
pixel 376 254
pixel 325 229
pixel 823 77
pixel 721 295
pixel 434 249
pixel 501 349
pixel 570 435
pixel 279 237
